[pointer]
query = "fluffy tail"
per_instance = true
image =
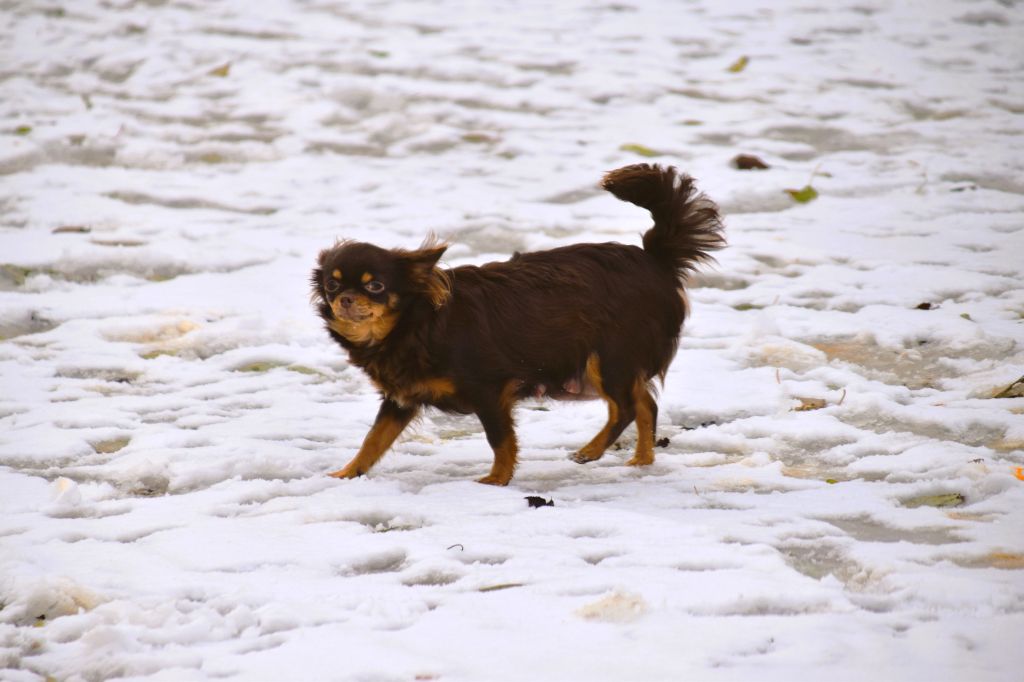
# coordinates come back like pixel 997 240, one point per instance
pixel 687 226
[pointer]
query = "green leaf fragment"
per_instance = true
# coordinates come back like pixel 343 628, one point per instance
pixel 739 64
pixel 23 130
pixel 639 149
pixel 803 195
pixel 943 500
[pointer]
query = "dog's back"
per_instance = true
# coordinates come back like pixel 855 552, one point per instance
pixel 540 316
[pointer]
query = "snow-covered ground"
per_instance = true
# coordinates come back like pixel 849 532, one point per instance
pixel 839 497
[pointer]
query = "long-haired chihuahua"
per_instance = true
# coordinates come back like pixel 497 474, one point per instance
pixel 587 320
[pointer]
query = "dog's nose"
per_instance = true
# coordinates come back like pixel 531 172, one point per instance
pixel 345 301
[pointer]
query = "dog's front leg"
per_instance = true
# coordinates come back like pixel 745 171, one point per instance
pixel 495 414
pixel 392 418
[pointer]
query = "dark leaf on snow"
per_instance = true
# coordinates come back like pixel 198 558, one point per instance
pixel 749 162
pixel 535 501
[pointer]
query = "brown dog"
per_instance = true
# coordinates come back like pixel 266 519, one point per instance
pixel 587 319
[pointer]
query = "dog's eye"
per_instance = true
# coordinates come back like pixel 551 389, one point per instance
pixel 332 285
pixel 374 287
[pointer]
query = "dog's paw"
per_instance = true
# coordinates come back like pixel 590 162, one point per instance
pixel 348 471
pixel 639 461
pixel 491 479
pixel 582 457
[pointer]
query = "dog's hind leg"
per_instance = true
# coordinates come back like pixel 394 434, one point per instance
pixel 646 423
pixel 617 392
pixel 495 413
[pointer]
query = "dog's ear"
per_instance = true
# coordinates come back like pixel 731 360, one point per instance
pixel 316 293
pixel 316 279
pixel 424 275
pixel 316 282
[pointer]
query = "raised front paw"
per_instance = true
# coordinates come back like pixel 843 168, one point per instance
pixel 582 457
pixel 348 471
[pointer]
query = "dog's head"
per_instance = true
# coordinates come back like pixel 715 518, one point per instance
pixel 362 289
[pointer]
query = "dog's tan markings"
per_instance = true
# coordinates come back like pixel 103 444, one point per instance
pixel 438 287
pixel 336 274
pixel 596 447
pixel 644 425
pixel 364 332
pixel 508 397
pixel 374 321
pixel 366 278
pixel 382 434
pixel 438 388
pixel 506 452
pixel 392 300
pixel 504 462
pixel 427 390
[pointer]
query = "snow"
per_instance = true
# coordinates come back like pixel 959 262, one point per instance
pixel 169 403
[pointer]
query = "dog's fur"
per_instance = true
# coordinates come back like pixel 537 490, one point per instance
pixel 599 320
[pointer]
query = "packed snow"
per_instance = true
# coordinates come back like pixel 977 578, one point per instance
pixel 839 493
